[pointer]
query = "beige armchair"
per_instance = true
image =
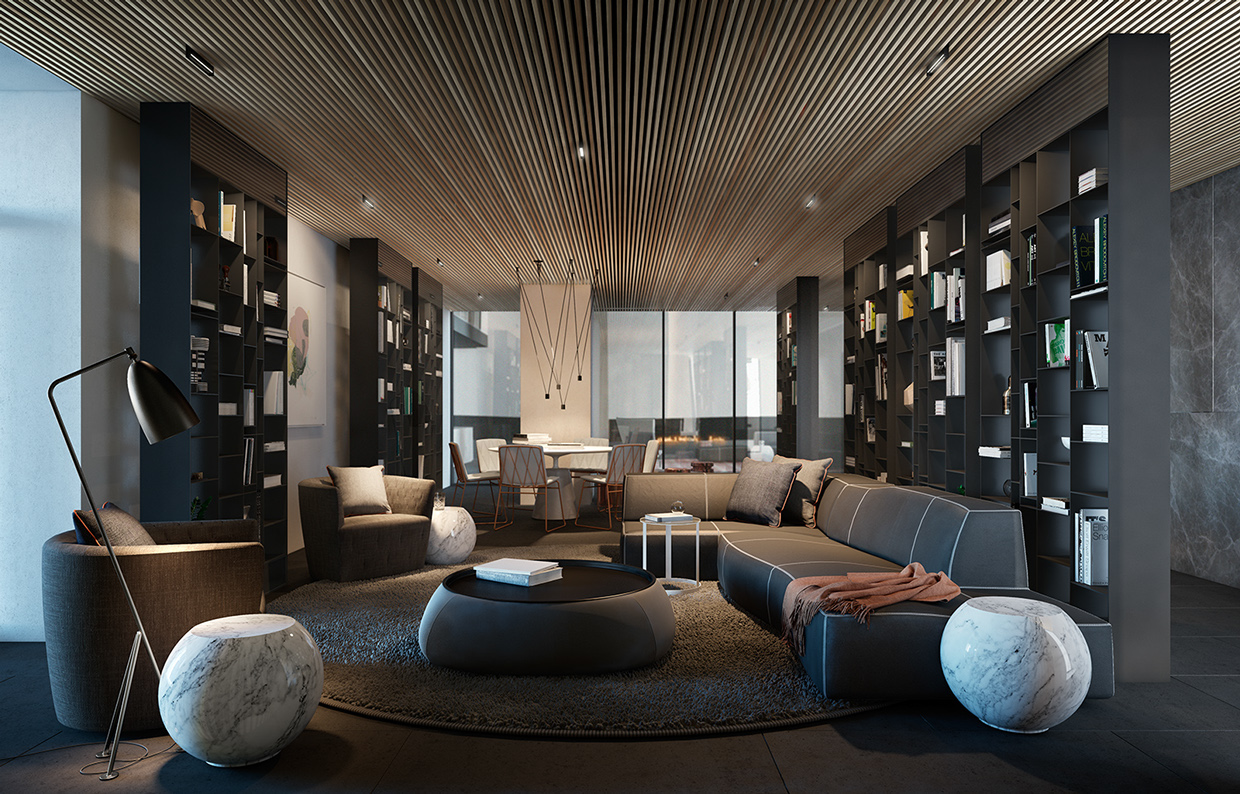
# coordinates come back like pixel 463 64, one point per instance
pixel 200 570
pixel 345 549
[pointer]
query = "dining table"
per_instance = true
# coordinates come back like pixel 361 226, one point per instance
pixel 549 508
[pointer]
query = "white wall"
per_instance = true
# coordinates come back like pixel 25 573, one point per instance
pixel 40 327
pixel 311 449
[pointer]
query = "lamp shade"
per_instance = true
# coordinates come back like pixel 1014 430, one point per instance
pixel 161 408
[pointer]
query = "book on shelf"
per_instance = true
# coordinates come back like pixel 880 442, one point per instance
pixel 882 276
pixel 955 366
pixel 994 452
pixel 906 444
pixel 955 295
pixel 228 409
pixel 1030 474
pixel 880 327
pixel 271 298
pixel 938 289
pixel 248 406
pixel 938 365
pixel 1031 259
pixel 998 269
pixel 1082 254
pixel 908 396
pixel 669 518
pixel 1054 505
pixel 848 399
pixel 231 330
pixel 940 407
pixel 273 392
pixel 228 222
pixel 1030 403
pixel 1100 249
pixel 527 573
pixel 1000 222
pixel 1096 354
pixel 923 250
pixel 906 272
pixel 247 465
pixel 1058 352
pixel 906 304
pixel 1095 433
pixel 871 430
pixel 201 304
pixel 272 480
pixel 273 446
pixel 1094 177
pixel 274 332
pixel 1090 546
pixel 880 377
pixel 998 324
pixel 850 461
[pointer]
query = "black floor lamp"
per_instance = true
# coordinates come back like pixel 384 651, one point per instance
pixel 163 412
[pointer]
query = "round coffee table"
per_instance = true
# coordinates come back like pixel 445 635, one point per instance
pixel 600 617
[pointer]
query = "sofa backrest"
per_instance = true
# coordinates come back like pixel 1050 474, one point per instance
pixel 975 542
pixel 704 495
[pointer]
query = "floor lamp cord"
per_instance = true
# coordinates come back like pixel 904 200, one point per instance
pixel 112 740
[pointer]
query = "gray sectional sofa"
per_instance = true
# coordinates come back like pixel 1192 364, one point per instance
pixel 862 525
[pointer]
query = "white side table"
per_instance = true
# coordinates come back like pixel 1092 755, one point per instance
pixel 236 691
pixel 453 535
pixel 676 584
pixel 1017 664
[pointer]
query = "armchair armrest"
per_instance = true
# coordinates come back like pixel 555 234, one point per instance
pixel 237 530
pixel 409 495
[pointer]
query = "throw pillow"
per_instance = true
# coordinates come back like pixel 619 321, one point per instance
pixel 760 492
pixel 802 507
pixel 122 528
pixel 360 489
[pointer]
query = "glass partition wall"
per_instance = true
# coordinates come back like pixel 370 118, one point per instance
pixel 486 379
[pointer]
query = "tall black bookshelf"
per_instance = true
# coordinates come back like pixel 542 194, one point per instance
pixel 797 423
pixel 395 363
pixel 1016 203
pixel 216 324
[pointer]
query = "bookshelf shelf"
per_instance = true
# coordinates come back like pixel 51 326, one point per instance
pixel 187 156
pixel 1028 164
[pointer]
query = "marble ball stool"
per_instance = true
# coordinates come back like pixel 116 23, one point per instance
pixel 236 691
pixel 453 534
pixel 1017 664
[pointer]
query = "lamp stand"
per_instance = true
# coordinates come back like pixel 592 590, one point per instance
pixel 112 739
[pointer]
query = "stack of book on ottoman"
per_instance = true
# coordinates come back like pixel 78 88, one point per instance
pixel 668 518
pixel 523 572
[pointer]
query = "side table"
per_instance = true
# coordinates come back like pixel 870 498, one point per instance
pixel 236 691
pixel 676 584
pixel 453 535
pixel 1017 664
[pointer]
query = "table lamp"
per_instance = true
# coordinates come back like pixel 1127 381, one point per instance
pixel 162 412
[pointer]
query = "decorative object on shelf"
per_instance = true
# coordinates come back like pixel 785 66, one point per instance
pixel 198 507
pixel 453 535
pixel 1016 664
pixel 238 690
pixel 271 248
pixel 162 412
pixel 196 209
pixel 1007 398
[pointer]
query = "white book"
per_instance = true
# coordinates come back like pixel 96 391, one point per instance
pixel 669 518
pixel 273 446
pixel 232 330
pixel 228 409
pixel 273 392
pixel 905 272
pixel 515 566
pixel 994 452
pixel 272 481
pixel 1096 349
pixel 248 406
pixel 1054 501
pixel 1031 474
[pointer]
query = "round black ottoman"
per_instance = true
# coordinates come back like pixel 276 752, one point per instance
pixel 600 617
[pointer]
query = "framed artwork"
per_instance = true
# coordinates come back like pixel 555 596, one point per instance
pixel 307 352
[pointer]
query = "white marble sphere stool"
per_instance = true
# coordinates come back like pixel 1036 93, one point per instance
pixel 1017 664
pixel 236 691
pixel 453 535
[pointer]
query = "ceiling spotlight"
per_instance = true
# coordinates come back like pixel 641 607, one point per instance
pixel 439 263
pixel 810 203
pixel 755 262
pixel 199 61
pixel 479 296
pixel 370 205
pixel 581 152
pixel 938 61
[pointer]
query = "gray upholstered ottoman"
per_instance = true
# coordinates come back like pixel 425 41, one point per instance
pixel 600 617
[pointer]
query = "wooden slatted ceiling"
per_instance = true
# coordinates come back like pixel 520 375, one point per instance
pixel 707 125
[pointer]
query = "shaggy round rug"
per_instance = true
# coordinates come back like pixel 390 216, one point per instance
pixel 724 674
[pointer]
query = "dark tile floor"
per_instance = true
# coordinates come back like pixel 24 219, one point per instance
pixel 1182 735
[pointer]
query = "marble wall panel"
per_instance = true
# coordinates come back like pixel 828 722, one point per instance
pixel 1227 291
pixel 1205 495
pixel 1192 297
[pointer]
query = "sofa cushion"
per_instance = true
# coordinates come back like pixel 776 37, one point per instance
pixel 360 489
pixel 122 528
pixel 703 495
pixel 802 506
pixel 760 492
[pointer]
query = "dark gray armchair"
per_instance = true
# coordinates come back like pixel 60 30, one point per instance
pixel 345 549
pixel 200 570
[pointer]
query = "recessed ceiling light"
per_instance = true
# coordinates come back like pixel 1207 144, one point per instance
pixel 370 205
pixel 199 61
pixel 439 263
pixel 938 60
pixel 581 152
pixel 479 296
pixel 755 262
pixel 809 204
